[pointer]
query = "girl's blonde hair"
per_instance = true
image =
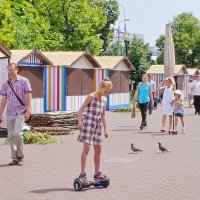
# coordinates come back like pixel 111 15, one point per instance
pixel 106 82
pixel 170 79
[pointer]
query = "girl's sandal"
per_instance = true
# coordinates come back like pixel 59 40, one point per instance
pixel 162 130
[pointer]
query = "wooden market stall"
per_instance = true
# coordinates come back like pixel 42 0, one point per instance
pixel 192 72
pixel 62 80
pixel 31 65
pixel 180 75
pixel 73 74
pixel 117 69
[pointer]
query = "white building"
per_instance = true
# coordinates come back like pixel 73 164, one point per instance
pixel 5 55
pixel 119 36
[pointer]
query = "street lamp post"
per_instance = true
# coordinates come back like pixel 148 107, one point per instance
pixel 118 35
pixel 124 16
pixel 127 38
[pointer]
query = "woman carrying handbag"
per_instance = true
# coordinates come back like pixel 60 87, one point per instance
pixel 143 95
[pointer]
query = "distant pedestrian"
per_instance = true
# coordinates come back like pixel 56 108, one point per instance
pixel 162 83
pixel 16 113
pixel 178 110
pixel 144 95
pixel 168 97
pixel 196 93
pixel 153 90
pixel 189 92
pixel 90 127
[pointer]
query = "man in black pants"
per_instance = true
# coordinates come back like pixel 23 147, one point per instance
pixel 196 93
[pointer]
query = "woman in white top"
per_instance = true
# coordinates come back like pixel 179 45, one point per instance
pixel 168 97
pixel 196 93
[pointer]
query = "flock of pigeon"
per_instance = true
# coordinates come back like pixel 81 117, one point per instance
pixel 161 147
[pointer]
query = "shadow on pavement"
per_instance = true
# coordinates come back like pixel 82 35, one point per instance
pixel 162 153
pixel 52 190
pixel 139 153
pixel 189 115
pixel 123 130
pixel 159 134
pixel 126 126
pixel 141 132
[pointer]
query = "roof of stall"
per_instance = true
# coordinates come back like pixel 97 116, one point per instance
pixel 192 71
pixel 4 52
pixel 68 58
pixel 111 62
pixel 19 55
pixel 159 69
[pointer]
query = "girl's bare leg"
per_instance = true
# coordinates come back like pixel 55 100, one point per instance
pixel 97 156
pixel 86 149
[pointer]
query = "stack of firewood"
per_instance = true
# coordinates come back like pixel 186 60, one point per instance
pixel 55 123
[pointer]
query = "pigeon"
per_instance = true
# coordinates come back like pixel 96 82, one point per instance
pixel 134 149
pixel 162 148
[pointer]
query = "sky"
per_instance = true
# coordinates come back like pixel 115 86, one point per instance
pixel 149 17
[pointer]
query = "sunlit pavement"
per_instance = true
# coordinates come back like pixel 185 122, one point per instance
pixel 49 170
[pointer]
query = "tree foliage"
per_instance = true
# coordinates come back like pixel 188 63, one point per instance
pixel 186 31
pixel 112 50
pixel 139 54
pixel 186 34
pixel 111 12
pixel 57 24
pixel 160 43
pixel 6 28
pixel 77 21
pixel 31 29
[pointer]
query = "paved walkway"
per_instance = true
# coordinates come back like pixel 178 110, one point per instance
pixel 49 170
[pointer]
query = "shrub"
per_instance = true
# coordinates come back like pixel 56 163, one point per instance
pixel 122 110
pixel 38 138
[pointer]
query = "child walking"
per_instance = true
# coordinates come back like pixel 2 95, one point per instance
pixel 168 97
pixel 178 110
pixel 90 127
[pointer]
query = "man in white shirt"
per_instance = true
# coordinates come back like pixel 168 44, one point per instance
pixel 189 92
pixel 196 93
pixel 153 90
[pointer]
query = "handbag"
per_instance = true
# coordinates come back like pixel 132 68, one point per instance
pixel 20 101
pixel 133 111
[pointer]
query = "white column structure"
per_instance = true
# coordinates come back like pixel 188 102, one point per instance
pixel 169 54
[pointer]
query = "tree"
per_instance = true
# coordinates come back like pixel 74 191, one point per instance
pixel 31 29
pixel 111 12
pixel 186 30
pixel 6 33
pixel 186 33
pixel 23 28
pixel 77 21
pixel 112 50
pixel 139 54
pixel 160 43
pixel 58 24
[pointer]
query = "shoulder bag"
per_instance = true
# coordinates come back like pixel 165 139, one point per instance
pixel 20 101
